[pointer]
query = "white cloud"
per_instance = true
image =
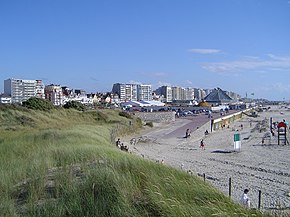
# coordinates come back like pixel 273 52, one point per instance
pixel 154 74
pixel 273 62
pixel 134 82
pixel 204 51
pixel 281 87
pixel 188 82
pixel 161 83
pixel 159 74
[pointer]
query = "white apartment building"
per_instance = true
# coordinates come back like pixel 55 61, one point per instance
pixel 189 93
pixel 126 92
pixel 200 94
pixel 179 93
pixel 21 90
pixel 54 94
pixel 166 92
pixel 144 92
pixel 133 92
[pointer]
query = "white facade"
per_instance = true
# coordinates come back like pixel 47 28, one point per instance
pixel 126 92
pixel 165 93
pixel 144 92
pixel 133 92
pixel 200 94
pixel 82 99
pixel 21 90
pixel 180 93
pixel 189 93
pixel 54 94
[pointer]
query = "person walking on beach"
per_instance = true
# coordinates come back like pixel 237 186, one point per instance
pixel 187 133
pixel 245 201
pixel 202 145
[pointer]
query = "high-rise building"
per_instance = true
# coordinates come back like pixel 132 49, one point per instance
pixel 189 93
pixel 180 94
pixel 21 90
pixel 144 92
pixel 126 92
pixel 133 92
pixel 165 92
pixel 200 94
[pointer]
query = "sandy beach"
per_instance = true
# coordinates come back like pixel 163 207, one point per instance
pixel 257 166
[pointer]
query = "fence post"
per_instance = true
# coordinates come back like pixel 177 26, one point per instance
pixel 204 177
pixel 260 199
pixel 230 187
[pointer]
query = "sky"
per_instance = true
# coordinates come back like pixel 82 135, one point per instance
pixel 236 45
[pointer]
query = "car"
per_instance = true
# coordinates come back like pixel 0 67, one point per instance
pixel 187 113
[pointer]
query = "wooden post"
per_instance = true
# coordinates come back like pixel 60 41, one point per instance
pixel 260 199
pixel 230 187
pixel 204 177
pixel 93 192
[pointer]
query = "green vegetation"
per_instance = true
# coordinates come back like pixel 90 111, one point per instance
pixel 125 114
pixel 64 163
pixel 150 124
pixel 74 105
pixel 38 104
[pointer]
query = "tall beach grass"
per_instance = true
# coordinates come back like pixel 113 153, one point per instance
pixel 63 163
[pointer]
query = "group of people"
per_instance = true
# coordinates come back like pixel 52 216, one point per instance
pixel 121 145
pixel 202 144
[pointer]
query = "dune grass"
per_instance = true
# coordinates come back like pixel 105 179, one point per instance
pixel 63 163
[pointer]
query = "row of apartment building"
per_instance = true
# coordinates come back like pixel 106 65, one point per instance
pixel 166 94
pixel 19 90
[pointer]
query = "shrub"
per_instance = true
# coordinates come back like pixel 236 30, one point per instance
pixel 139 122
pixel 125 114
pixel 74 105
pixel 38 104
pixel 150 124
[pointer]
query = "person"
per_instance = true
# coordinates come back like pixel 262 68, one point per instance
pixel 118 143
pixel 133 141
pixel 181 166
pixel 187 133
pixel 202 145
pixel 206 133
pixel 263 141
pixel 245 201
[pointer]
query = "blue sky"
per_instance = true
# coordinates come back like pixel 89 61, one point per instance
pixel 237 45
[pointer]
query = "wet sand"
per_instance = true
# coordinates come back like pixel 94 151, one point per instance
pixel 256 166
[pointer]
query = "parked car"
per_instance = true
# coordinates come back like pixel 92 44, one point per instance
pixel 187 113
